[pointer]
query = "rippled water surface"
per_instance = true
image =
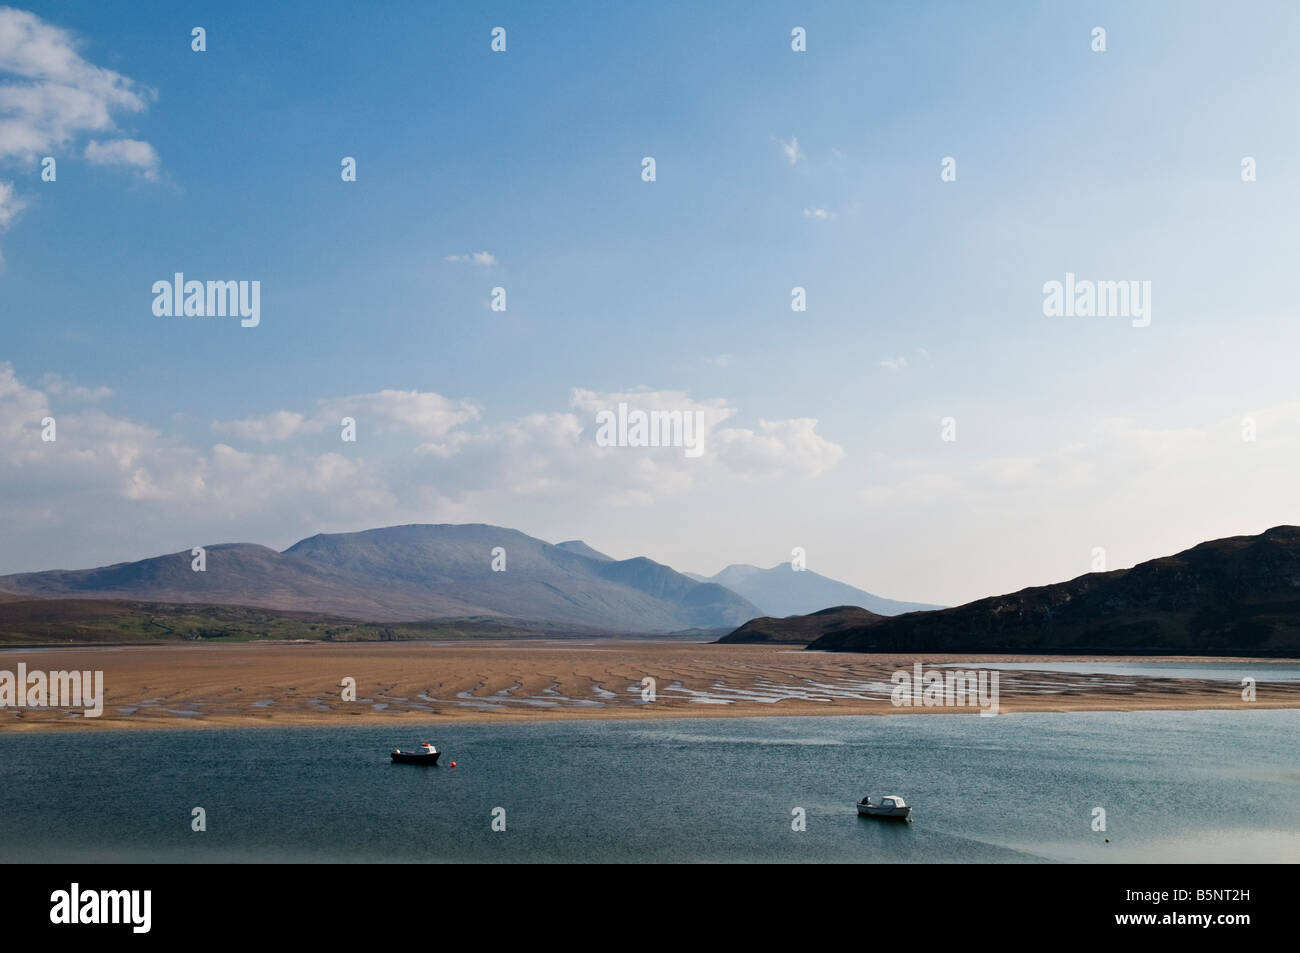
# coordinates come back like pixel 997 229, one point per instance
pixel 1175 786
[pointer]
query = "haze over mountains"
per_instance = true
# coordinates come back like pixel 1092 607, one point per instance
pixel 1239 595
pixel 416 572
pixel 781 591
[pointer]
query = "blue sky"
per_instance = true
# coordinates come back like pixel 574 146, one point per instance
pixel 924 297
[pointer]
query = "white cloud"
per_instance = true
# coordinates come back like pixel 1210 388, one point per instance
pixel 424 414
pixel 474 258
pixel 10 206
pixel 894 363
pixel 791 149
pixel 59 95
pixel 60 386
pixel 50 95
pixel 818 214
pixel 273 427
pixel 588 403
pixel 778 447
pixel 126 152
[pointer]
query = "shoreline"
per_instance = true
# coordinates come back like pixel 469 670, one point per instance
pixel 215 687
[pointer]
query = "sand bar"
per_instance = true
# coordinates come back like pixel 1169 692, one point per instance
pixel 250 685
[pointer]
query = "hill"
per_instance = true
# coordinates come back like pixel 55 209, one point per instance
pixel 801 630
pixel 1234 596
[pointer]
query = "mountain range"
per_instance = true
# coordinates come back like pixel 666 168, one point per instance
pixel 416 572
pixel 1233 596
pixel 1239 595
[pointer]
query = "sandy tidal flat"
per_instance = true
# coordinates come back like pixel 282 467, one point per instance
pixel 191 686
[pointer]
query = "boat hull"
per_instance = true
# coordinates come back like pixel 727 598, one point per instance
pixel 402 757
pixel 884 813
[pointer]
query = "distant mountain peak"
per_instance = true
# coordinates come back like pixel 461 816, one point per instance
pixel 780 591
pixel 582 549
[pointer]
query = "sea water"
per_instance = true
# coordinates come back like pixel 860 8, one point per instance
pixel 1168 786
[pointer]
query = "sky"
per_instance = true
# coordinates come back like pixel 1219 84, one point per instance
pixel 774 169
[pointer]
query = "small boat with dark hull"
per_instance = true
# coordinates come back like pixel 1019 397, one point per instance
pixel 889 808
pixel 425 754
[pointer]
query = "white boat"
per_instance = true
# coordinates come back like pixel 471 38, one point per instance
pixel 892 806
pixel 426 754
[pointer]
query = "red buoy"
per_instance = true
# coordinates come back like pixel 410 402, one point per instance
pixel 453 764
